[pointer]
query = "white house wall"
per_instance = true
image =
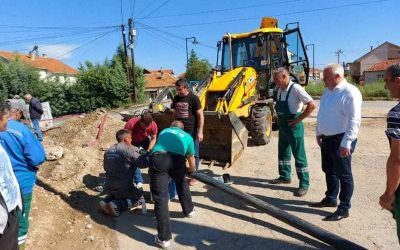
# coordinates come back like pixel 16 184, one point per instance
pixel 380 54
pixel 373 76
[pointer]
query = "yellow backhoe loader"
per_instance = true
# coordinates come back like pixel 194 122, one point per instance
pixel 237 97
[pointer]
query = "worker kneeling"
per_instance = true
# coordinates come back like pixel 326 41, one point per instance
pixel 168 160
pixel 120 163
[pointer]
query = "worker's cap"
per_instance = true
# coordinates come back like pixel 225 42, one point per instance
pixel 15 104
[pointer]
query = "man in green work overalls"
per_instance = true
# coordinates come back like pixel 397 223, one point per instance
pixel 290 100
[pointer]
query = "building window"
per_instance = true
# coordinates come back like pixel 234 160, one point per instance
pixel 153 95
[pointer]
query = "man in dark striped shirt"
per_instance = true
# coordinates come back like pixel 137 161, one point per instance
pixel 390 200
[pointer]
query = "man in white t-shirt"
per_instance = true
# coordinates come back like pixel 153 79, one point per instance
pixel 290 100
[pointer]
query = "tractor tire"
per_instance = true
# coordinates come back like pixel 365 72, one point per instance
pixel 261 124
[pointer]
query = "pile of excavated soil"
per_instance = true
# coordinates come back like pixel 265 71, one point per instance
pixel 64 210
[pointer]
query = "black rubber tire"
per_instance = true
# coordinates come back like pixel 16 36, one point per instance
pixel 261 124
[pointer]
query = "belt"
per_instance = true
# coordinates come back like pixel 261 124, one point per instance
pixel 160 153
pixel 332 136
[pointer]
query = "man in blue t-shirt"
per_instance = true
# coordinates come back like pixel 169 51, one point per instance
pixel 26 154
pixel 168 160
pixel 390 200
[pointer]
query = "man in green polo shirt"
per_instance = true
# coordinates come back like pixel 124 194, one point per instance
pixel 168 161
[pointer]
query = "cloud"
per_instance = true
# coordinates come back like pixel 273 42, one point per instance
pixel 58 51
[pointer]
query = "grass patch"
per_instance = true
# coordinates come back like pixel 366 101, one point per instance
pixel 371 90
pixel 376 89
pixel 315 88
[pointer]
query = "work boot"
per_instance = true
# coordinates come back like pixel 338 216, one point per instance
pixel 280 181
pixel 300 192
pixel 103 207
pixel 113 209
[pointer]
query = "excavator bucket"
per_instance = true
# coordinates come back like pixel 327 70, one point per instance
pixel 225 136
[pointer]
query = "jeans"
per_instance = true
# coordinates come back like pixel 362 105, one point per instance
pixel 36 128
pixel 196 149
pixel 120 196
pixel 8 240
pixel 144 144
pixel 138 176
pixel 171 189
pixel 196 153
pixel 163 167
pixel 337 171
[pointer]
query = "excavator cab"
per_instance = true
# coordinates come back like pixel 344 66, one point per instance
pixel 238 97
pixel 265 50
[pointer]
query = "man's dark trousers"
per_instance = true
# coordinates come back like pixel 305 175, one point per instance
pixel 164 166
pixel 337 171
pixel 9 238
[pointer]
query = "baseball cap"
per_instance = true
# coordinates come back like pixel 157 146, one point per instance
pixel 15 104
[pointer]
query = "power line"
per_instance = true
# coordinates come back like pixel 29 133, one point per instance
pixel 223 10
pixel 150 4
pixel 155 9
pixel 282 14
pixel 49 36
pixel 173 35
pixel 98 42
pixel 133 7
pixel 55 27
pixel 101 36
pixel 168 41
pixel 122 15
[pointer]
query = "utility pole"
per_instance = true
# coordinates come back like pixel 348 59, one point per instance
pixel 128 78
pixel 187 53
pixel 132 34
pixel 313 57
pixel 337 53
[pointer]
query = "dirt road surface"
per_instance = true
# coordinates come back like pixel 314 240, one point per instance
pixel 64 211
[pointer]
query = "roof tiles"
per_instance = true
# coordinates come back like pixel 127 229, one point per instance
pixel 382 65
pixel 46 63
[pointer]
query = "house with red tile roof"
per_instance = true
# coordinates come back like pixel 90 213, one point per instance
pixel 377 71
pixel 157 80
pixel 48 68
pixel 316 74
pixel 384 52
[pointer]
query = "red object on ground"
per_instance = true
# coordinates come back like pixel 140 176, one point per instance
pixel 99 132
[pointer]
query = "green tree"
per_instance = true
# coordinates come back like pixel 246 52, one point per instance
pixel 98 85
pixel 16 77
pixel 197 69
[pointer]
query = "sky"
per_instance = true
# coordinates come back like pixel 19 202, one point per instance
pixel 76 31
